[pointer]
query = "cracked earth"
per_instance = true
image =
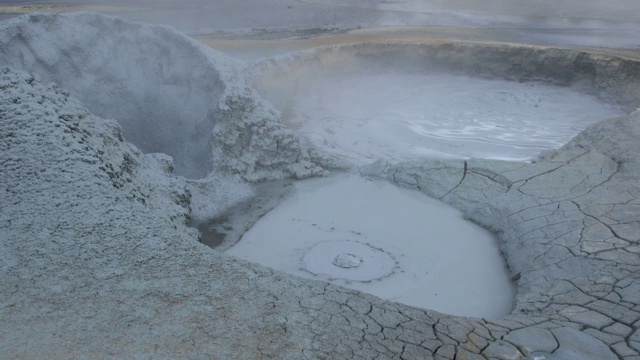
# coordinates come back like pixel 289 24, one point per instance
pixel 568 227
pixel 130 281
pixel 96 259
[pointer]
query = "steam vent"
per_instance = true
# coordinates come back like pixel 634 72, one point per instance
pixel 130 142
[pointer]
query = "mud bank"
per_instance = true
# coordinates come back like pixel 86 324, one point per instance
pixel 96 258
pixel 169 93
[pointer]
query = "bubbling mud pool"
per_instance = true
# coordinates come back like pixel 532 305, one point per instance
pixel 394 243
pixel 401 103
pixel 402 116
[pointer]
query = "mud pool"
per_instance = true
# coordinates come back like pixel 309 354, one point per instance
pixel 383 240
pixel 404 116
pixel 395 243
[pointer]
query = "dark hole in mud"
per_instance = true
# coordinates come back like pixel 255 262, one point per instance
pixel 214 231
pixel 226 229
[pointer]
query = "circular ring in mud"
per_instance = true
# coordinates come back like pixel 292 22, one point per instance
pixel 348 260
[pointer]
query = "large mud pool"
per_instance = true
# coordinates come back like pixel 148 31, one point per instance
pixel 405 116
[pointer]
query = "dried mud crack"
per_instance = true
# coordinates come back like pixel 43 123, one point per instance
pixel 96 258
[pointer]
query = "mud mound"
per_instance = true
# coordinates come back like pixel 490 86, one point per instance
pixel 167 91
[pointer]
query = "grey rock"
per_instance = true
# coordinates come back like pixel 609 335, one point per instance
pixel 615 311
pixel 411 351
pixel 502 350
pixel 572 179
pixel 606 338
pixel 631 292
pixel 623 350
pixel 578 345
pixel 532 339
pixel 436 177
pixel 466 355
pixel 618 329
pixel 584 316
pixel 445 352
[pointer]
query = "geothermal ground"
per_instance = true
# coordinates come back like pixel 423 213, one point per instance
pixel 116 136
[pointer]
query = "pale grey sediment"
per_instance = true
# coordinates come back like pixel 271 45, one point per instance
pixel 97 260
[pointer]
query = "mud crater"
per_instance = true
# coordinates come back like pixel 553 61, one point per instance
pixel 563 82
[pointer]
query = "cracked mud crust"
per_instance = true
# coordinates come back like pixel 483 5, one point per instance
pixel 96 259
pixel 569 229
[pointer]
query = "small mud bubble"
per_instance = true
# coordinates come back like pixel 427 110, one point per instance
pixel 347 261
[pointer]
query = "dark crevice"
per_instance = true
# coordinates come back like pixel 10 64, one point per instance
pixel 464 175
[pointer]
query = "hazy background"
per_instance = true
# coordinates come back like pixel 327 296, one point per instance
pixel 612 23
